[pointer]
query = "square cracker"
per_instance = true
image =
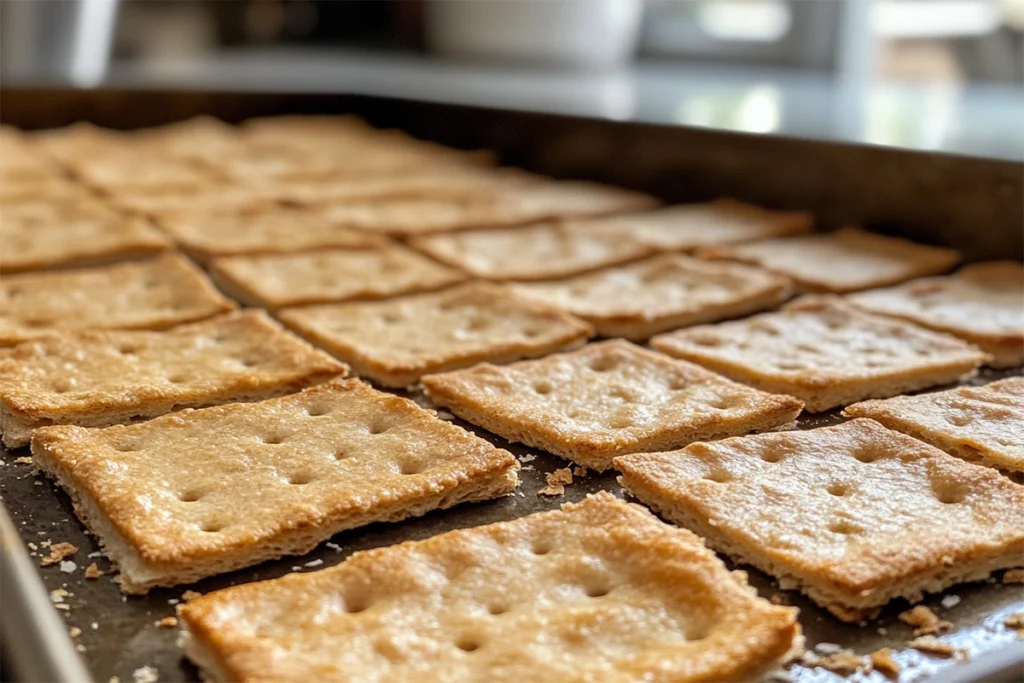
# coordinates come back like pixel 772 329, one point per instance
pixel 203 492
pixel 397 341
pixel 854 515
pixel 518 204
pixel 597 591
pixel 846 260
pixel 99 378
pixel 211 198
pixel 206 235
pixel 76 242
pixel 606 399
pixel 685 227
pixel 662 293
pixel 139 295
pixel 826 353
pixel 982 303
pixel 979 424
pixel 533 252
pixel 311 277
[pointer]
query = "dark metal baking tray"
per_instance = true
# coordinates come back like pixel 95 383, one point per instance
pixel 119 635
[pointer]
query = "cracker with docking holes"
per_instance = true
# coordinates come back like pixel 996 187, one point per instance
pixel 203 492
pixel 277 280
pixel 606 399
pixel 685 227
pixel 599 590
pixel 854 515
pixel 517 204
pixel 979 424
pixel 205 235
pixel 982 303
pixel 139 295
pixel 397 341
pixel 847 260
pixel 98 378
pixel 76 243
pixel 534 252
pixel 826 353
pixel 662 293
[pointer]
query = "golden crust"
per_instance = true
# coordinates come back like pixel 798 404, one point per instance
pixel 979 424
pixel 662 293
pixel 604 400
pixel 518 204
pixel 210 198
pixel 201 492
pixel 533 252
pixel 843 261
pixel 825 353
pixel 685 227
pixel 397 341
pixel 982 303
pixel 277 280
pixel 100 378
pixel 855 515
pixel 76 243
pixel 599 590
pixel 149 295
pixel 205 236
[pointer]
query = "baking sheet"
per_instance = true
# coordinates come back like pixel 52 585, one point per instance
pixel 120 636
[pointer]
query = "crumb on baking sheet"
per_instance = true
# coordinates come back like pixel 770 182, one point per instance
pixel 843 662
pixel 924 621
pixel 93 572
pixel 557 481
pixel 191 595
pixel 950 601
pixel 1016 622
pixel 934 646
pixel 58 552
pixel 167 622
pixel 579 471
pixel 74 631
pixel 1014 575
pixel 58 595
pixel 68 567
pixel 145 674
pixel 25 460
pixel 883 663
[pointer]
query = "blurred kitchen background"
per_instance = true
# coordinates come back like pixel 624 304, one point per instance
pixel 928 74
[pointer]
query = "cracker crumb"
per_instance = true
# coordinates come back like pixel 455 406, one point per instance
pixel 114 679
pixel 314 563
pixel 63 606
pixel 527 457
pixel 80 648
pixel 58 595
pixel 95 626
pixel 557 481
pixel 778 599
pixel 173 601
pixel 74 631
pixel 68 567
pixel 1014 576
pixel 925 621
pixel 843 662
pixel 95 553
pixel 58 552
pixel 579 471
pixel 828 648
pixel 1015 621
pixel 24 460
pixel 934 646
pixel 883 663
pixel 33 546
pixel 950 601
pixel 191 595
pixel 93 572
pixel 167 622
pixel 445 415
pixel 145 674
pixel 333 546
pixel 47 543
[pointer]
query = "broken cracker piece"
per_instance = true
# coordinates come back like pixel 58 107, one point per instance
pixel 853 515
pixel 93 572
pixel 287 474
pixel 924 621
pixel 934 646
pixel 598 590
pixel 167 622
pixel 58 553
pixel 882 661
pixel 604 400
pixel 844 662
pixel 557 481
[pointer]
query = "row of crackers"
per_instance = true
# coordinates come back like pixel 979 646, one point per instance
pixel 529 402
